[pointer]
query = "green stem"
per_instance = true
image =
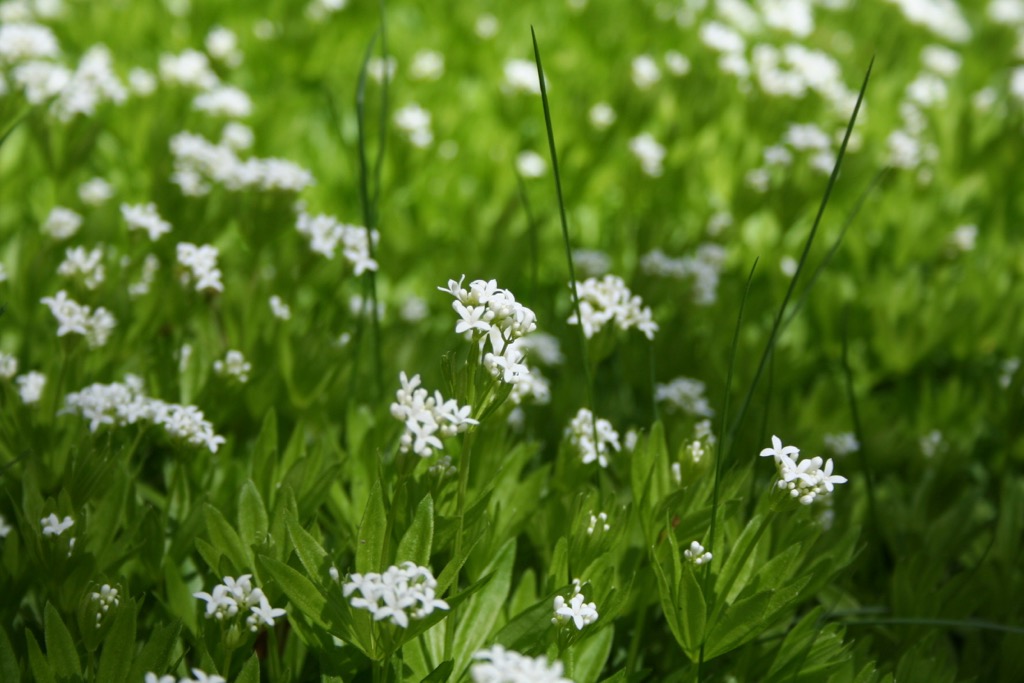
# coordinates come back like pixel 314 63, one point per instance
pixel 460 513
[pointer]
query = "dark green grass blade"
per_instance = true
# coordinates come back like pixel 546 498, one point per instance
pixel 773 336
pixel 565 231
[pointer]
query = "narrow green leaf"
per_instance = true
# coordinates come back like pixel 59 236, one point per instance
pixel 558 572
pixel 528 632
pixel 156 653
pixel 691 602
pixel 60 647
pixel 479 617
pixel 253 523
pixel 311 554
pixel 250 673
pixel 738 623
pixel 40 667
pixel 591 655
pixel 304 596
pixel 416 543
pixel 372 530
pixel 119 645
pixel 441 674
pixel 9 670
pixel 224 537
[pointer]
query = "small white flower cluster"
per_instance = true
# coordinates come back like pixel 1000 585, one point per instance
pixel 521 76
pixel 704 266
pixel 932 443
pixel 190 69
pixel 644 71
pixel 199 162
pixel 107 598
pixel 321 10
pixel 485 307
pixel 529 164
pixel 61 223
pixel 697 554
pixel 805 479
pixel 414 121
pixel 582 431
pixel 5 528
pixel 964 238
pixel 141 287
pixel 841 444
pixel 575 610
pixel 224 100
pixel 23 41
pixel 942 17
pixel 543 346
pixel 8 365
pixel 427 418
pixel 498 665
pixel 76 318
pixel 124 404
pixel 794 70
pixel 55 526
pixel 85 264
pixel 200 676
pixel 427 65
pixel 201 264
pixel 697 448
pixel 601 115
pixel 685 394
pixel 529 384
pixel 1007 370
pixel 401 593
pixel 649 152
pixel 222 44
pixel 234 597
pixel 325 233
pixel 30 387
pixel 591 262
pixel 279 308
pixel 598 521
pixel 610 300
pixel 145 217
pixel 233 365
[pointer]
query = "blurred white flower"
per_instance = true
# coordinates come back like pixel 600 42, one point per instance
pixel 644 71
pixel 581 432
pixel 486 26
pixel 61 223
pixel 30 387
pixel 414 121
pixel 233 365
pixel 601 115
pixel 279 308
pixel 530 164
pixel 649 152
pixel 609 300
pixel 145 217
pixel 427 65
pixel 498 665
pixel 95 191
pixel 521 76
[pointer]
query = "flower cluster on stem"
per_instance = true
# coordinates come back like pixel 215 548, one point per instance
pixel 237 597
pixel 806 480
pixel 427 418
pixel 401 593
pixel 582 431
pixel 609 300
pixel 574 609
pixel 498 665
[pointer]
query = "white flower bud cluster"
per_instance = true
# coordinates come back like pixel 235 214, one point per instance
pixel 704 267
pixel 61 223
pixel 200 677
pixel 598 521
pixel 125 404
pixel 107 598
pixel 685 394
pixel 145 217
pixel 805 480
pixel 498 665
pixel 88 265
pixel 325 233
pixel 199 162
pixel 233 365
pixel 201 265
pixel 427 418
pixel 609 300
pixel 697 554
pixel 485 306
pixel 75 318
pixel 237 597
pixel 575 610
pixel 401 593
pixel 582 431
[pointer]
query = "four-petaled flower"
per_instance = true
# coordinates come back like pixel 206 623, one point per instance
pixel 53 526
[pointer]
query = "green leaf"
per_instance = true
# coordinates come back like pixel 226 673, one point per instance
pixel 416 543
pixel 180 602
pixel 60 647
pixel 558 572
pixel 156 653
pixel 738 565
pixel 528 632
pixel 693 607
pixel 484 608
pixel 252 515
pixel 311 554
pixel 303 595
pixel 372 529
pixel 441 674
pixel 40 667
pixel 119 645
pixel 224 538
pixel 591 655
pixel 737 624
pixel 250 673
pixel 9 670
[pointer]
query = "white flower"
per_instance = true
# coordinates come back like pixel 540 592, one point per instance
pixel 580 613
pixel 201 676
pixel 401 593
pixel 704 266
pixel 486 26
pixel 427 65
pixel 233 365
pixel 5 528
pixel 842 444
pixel 610 300
pixel 427 418
pixel 279 308
pixel 685 394
pixel 677 63
pixel 30 387
pixel 378 67
pixel 601 115
pixel 8 365
pixel 237 136
pixel 414 121
pixel 582 430
pixel 649 152
pixel 61 223
pixel 21 42
pixel 521 76
pixel 530 164
pixel 485 307
pixel 107 597
pixel 964 237
pixel 263 615
pixel 95 191
pixel 201 262
pixel 598 521
pixel 153 678
pixel 325 233
pixel 54 526
pixel 75 318
pixel 224 100
pixel 498 665
pixel 696 554
pixel 931 443
pixel 644 71
pixel 85 264
pixel 222 44
pixel 804 479
pixel 778 451
pixel 234 598
pixel 145 217
pixel 141 81
pixel 191 69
